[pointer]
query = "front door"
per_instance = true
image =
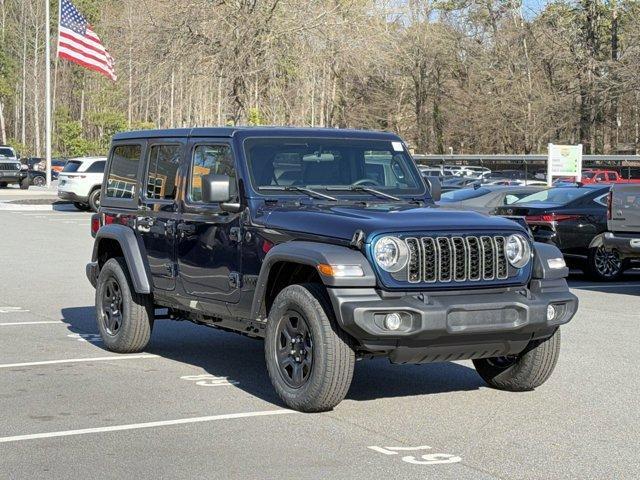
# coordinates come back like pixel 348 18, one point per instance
pixel 158 215
pixel 207 237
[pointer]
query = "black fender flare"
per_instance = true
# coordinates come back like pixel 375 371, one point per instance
pixel 132 250
pixel 542 252
pixel 312 254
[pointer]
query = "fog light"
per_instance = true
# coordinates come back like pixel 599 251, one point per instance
pixel 392 321
pixel 551 312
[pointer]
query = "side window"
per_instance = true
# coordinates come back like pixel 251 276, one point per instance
pixel 612 176
pixel 96 167
pixel 600 177
pixel 162 172
pixel 509 199
pixel 209 160
pixel 121 182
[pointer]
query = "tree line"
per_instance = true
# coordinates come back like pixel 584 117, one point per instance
pixel 483 76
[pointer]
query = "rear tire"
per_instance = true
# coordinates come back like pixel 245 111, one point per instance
pixel 321 352
pixel 125 318
pixel 525 371
pixel 94 200
pixel 39 181
pixel 603 265
pixel 24 184
pixel 3 185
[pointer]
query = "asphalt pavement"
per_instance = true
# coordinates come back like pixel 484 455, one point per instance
pixel 198 402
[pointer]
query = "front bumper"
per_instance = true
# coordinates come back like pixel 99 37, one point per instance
pixel 8 176
pixel 453 325
pixel 72 196
pixel 627 244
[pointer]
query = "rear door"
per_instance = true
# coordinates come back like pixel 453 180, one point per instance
pixel 158 213
pixel 625 208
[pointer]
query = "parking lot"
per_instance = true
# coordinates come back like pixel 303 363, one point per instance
pixel 199 403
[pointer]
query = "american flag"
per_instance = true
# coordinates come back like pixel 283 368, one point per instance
pixel 79 44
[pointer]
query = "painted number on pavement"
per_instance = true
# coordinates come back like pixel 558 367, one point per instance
pixel 425 459
pixel 86 337
pixel 207 380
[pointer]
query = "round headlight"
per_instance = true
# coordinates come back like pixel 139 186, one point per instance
pixel 391 254
pixel 517 250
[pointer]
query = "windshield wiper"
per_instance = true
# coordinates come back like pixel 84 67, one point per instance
pixel 295 188
pixel 361 188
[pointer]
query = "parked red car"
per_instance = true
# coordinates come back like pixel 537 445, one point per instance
pixel 604 176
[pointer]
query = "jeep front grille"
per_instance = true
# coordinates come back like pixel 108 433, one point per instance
pixel 457 259
pixel 9 166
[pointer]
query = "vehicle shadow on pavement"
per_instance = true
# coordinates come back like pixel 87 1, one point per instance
pixel 241 359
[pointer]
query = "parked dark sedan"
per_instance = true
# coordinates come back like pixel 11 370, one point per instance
pixel 574 219
pixel 484 199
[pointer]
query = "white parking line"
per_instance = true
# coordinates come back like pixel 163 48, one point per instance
pixel 609 285
pixel 44 322
pixel 136 426
pixel 77 360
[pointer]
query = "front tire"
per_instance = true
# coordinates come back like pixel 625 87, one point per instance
pixel 39 181
pixel 24 184
pixel 603 265
pixel 525 371
pixel 309 359
pixel 125 318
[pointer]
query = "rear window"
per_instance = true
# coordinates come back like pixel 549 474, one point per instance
pixel 465 194
pixel 121 182
pixel 96 167
pixel 162 175
pixel 72 166
pixel 559 195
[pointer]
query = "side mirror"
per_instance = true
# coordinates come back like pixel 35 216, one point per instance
pixel 435 188
pixel 220 189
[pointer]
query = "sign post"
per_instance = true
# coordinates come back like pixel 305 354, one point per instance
pixel 564 161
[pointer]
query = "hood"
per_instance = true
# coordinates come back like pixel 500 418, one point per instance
pixel 341 221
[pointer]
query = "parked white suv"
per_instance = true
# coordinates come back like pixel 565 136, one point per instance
pixel 80 182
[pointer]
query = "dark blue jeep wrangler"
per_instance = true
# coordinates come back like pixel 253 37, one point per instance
pixel 325 243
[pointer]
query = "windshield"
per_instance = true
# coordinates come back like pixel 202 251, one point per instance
pixel 326 163
pixel 6 152
pixel 465 194
pixel 559 195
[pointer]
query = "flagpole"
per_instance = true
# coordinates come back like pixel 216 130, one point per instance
pixel 47 89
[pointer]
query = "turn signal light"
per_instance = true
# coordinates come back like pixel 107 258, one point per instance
pixel 340 270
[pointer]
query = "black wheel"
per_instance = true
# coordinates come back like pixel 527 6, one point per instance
pixel 38 181
pixel 3 185
pixel 25 184
pixel 309 359
pixel 125 318
pixel 81 206
pixel 94 200
pixel 604 265
pixel 525 371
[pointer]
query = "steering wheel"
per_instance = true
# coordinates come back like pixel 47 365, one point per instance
pixel 366 181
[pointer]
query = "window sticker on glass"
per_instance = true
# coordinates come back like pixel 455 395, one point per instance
pixel 397 146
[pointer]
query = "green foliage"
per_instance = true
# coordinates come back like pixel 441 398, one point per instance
pixel 69 137
pixel 254 117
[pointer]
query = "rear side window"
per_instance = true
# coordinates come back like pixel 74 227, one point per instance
pixel 162 173
pixel 121 182
pixel 96 167
pixel 72 166
pixel 209 160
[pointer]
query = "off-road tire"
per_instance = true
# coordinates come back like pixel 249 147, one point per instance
pixel 529 370
pixel 94 200
pixel 137 310
pixel 25 183
pixel 596 273
pixel 333 357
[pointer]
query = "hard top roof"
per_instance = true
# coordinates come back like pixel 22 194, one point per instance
pixel 253 131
